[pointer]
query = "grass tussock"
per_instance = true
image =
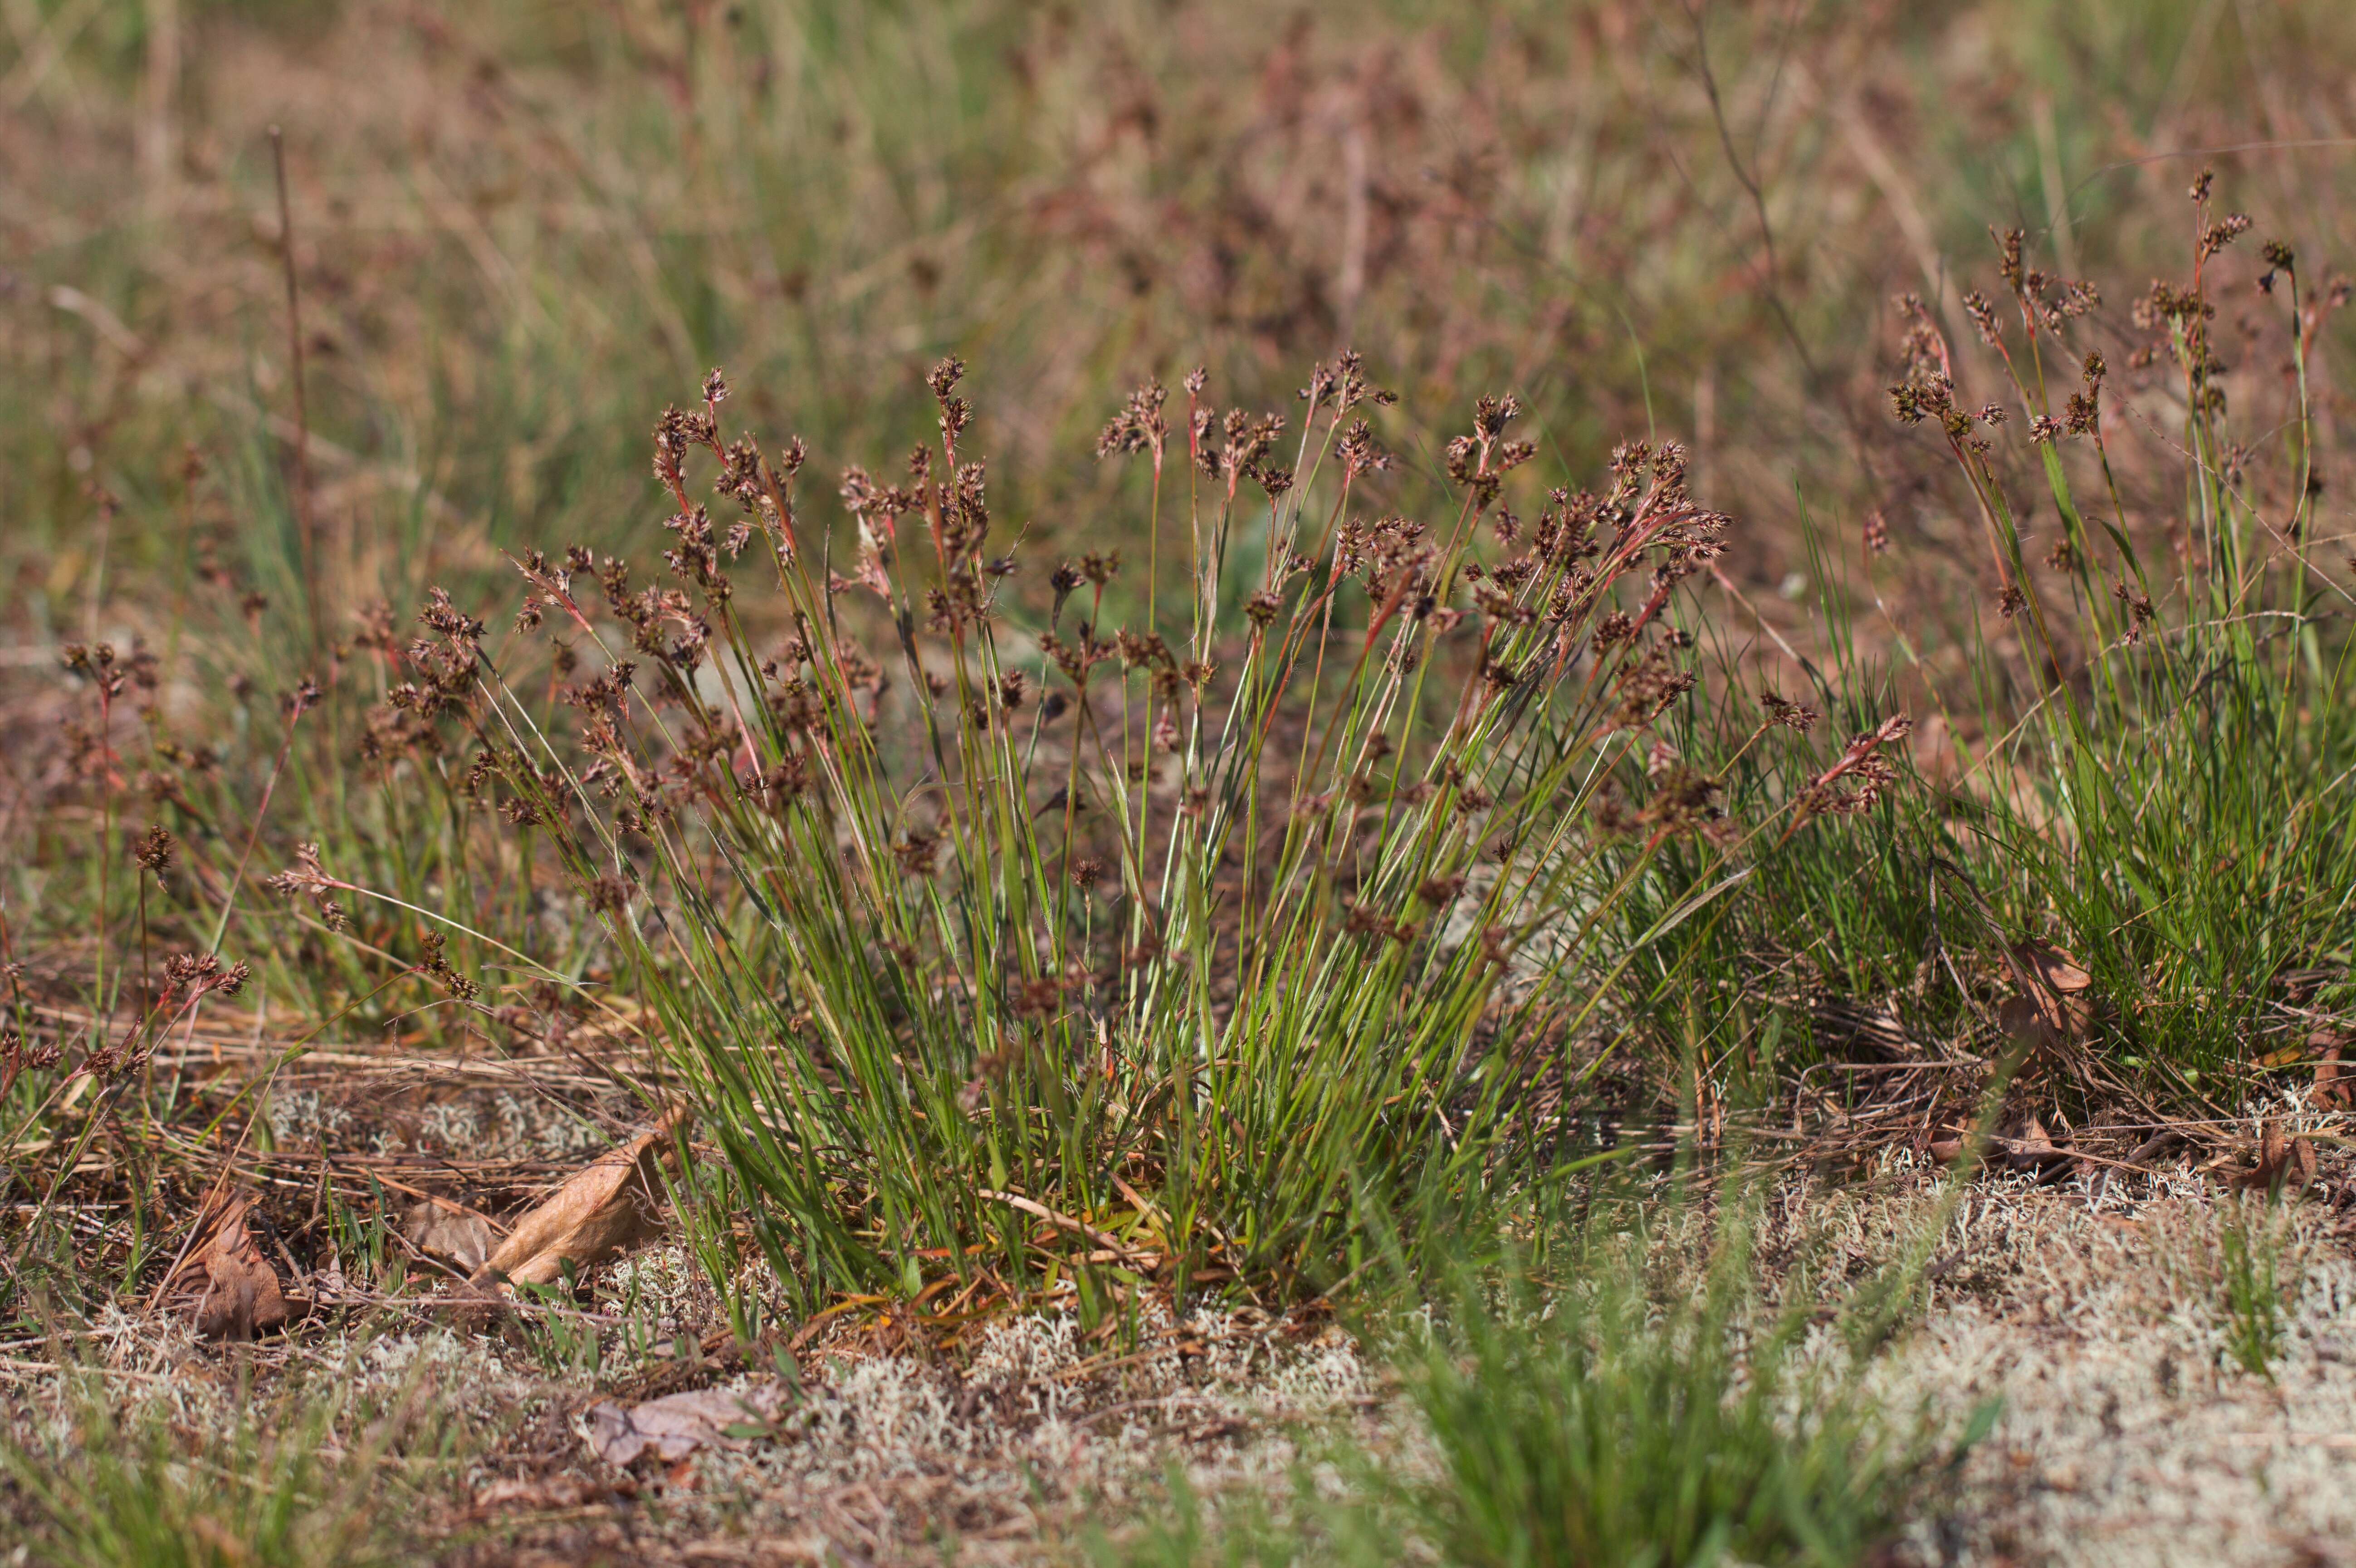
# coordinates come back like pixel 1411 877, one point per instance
pixel 1046 940
pixel 1628 1395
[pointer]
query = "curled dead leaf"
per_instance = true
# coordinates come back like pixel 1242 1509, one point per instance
pixel 441 1231
pixel 672 1427
pixel 224 1284
pixel 2052 1010
pixel 610 1203
pixel 2044 1022
pixel 2048 966
pixel 2033 1148
pixel 2282 1162
pixel 2333 1080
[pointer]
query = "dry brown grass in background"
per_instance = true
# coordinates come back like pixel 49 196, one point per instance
pixel 519 225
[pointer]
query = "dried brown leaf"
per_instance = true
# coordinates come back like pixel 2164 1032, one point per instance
pixel 2333 1081
pixel 462 1238
pixel 676 1425
pixel 2045 1022
pixel 2034 1148
pixel 2282 1162
pixel 225 1284
pixel 613 1202
pixel 2049 967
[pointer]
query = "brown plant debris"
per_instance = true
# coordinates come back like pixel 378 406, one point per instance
pixel 676 1424
pixel 224 1284
pixel 614 1202
pixel 2281 1162
pixel 2052 1011
pixel 2334 1078
pixel 443 1230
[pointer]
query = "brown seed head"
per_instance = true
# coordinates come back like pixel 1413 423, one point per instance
pixel 153 850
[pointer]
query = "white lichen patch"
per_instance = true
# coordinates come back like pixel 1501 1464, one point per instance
pixel 1040 1425
pixel 2129 1431
pixel 2098 1313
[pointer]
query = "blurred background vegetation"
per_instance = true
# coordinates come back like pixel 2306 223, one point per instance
pixel 521 227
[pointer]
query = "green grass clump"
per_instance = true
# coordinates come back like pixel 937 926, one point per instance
pixel 1629 1396
pixel 2250 1244
pixel 2192 825
pixel 993 933
pixel 293 1483
pixel 2147 748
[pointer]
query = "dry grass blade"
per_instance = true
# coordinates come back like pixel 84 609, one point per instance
pixel 1061 1221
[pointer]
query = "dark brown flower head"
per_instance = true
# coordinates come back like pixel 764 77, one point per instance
pixel 1323 382
pixel 1364 920
pixel 1438 892
pixel 195 975
pixel 436 964
pixel 1648 689
pixel 153 851
pixel 1244 440
pixel 1982 317
pixel 1684 799
pixel 1860 777
pixel 2219 235
pixel 1140 426
pixel 956 412
pixel 1876 531
pixel 2139 610
pixel 1492 415
pixel 1034 997
pixel 1354 389
pixel 917 852
pixel 308 877
pixel 2010 265
pixel 1792 715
